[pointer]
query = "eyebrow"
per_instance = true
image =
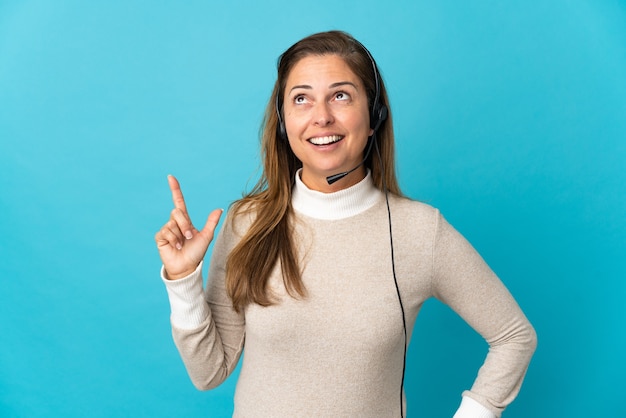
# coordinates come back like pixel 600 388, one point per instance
pixel 332 86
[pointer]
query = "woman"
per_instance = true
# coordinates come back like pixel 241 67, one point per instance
pixel 322 269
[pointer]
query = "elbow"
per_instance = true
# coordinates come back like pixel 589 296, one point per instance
pixel 534 338
pixel 531 339
pixel 520 336
pixel 524 334
pixel 525 339
pixel 208 381
pixel 203 386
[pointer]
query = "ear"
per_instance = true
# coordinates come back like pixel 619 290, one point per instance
pixel 371 132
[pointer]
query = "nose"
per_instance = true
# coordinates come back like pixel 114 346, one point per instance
pixel 322 115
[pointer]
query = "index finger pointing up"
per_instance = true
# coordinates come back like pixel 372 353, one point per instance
pixel 177 194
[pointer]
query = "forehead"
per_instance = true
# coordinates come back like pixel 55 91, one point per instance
pixel 321 69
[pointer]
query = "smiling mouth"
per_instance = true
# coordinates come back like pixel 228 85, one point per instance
pixel 326 140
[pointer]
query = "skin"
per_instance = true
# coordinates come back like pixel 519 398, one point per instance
pixel 324 102
pixel 181 246
pixel 325 99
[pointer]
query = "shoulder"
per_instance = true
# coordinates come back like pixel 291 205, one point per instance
pixel 404 207
pixel 413 220
pixel 236 223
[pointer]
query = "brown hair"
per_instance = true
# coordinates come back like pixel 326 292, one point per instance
pixel 269 239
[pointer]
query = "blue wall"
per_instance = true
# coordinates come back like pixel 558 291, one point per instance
pixel 510 117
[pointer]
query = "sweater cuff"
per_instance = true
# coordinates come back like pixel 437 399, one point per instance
pixel 472 409
pixel 188 306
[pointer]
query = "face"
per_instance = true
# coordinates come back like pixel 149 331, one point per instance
pixel 327 120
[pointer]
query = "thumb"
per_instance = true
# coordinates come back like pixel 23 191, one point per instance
pixel 211 223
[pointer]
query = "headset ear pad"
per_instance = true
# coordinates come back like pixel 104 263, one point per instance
pixel 379 115
pixel 282 131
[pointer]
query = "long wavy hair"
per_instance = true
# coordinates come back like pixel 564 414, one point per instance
pixel 269 239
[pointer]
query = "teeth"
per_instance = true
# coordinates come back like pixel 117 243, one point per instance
pixel 325 140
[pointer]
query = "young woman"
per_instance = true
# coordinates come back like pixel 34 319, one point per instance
pixel 321 270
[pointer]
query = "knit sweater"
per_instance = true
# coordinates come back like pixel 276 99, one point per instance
pixel 339 351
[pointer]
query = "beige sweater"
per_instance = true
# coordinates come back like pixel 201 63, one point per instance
pixel 339 351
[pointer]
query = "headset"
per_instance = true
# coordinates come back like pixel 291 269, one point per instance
pixel 378 114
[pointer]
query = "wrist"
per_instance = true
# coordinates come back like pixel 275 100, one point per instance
pixel 177 276
pixel 471 408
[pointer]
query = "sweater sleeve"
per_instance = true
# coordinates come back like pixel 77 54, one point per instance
pixel 463 281
pixel 210 338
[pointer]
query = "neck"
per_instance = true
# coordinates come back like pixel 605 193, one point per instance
pixel 341 204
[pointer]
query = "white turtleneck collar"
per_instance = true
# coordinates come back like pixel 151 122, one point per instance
pixel 337 205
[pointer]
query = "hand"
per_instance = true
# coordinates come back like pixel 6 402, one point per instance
pixel 181 246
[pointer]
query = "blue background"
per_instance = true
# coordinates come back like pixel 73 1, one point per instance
pixel 510 117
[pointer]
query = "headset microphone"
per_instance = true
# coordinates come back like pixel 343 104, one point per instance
pixel 339 176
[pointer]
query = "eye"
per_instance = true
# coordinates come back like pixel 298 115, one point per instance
pixel 300 99
pixel 342 96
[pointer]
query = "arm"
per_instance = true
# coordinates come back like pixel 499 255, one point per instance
pixel 463 281
pixel 207 331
